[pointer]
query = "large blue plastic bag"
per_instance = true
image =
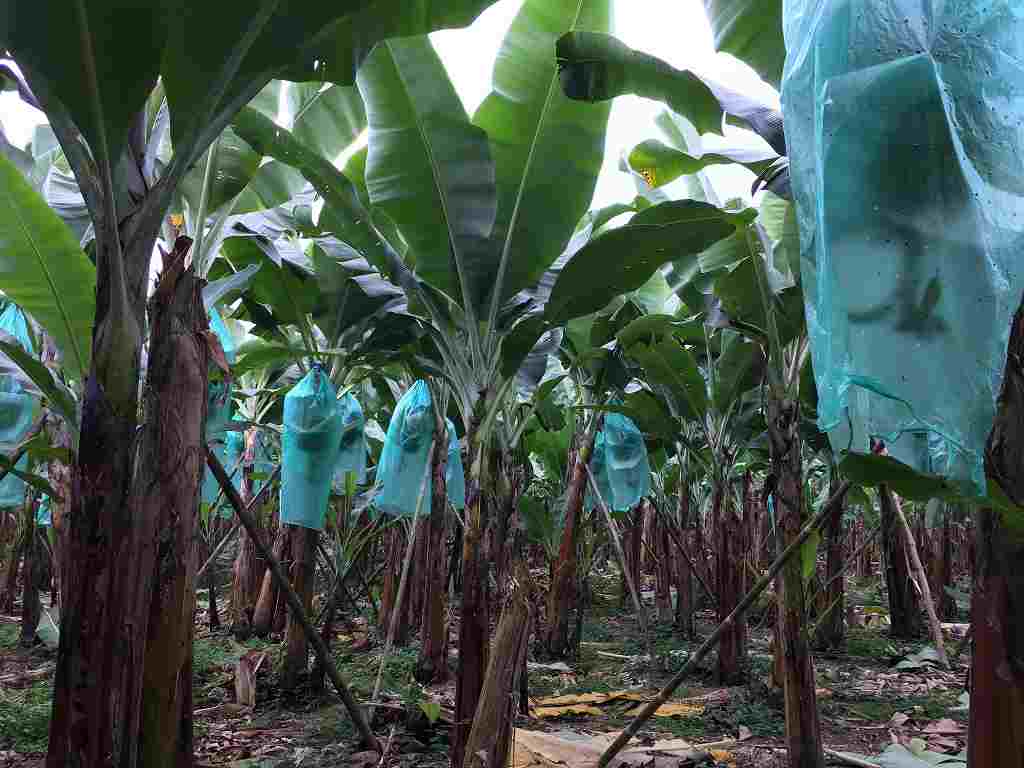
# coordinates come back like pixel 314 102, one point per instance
pixel 17 408
pixel 352 446
pixel 403 470
pixel 227 341
pixel 263 460
pixel 13 488
pixel 619 464
pixel 454 474
pixel 903 124
pixel 312 435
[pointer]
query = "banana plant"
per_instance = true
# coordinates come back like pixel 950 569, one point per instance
pixel 598 67
pixel 92 67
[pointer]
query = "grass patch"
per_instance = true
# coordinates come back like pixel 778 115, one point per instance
pixel 934 707
pixel 762 719
pixel 332 725
pixel 212 654
pixel 25 717
pixel 360 669
pixel 872 645
pixel 9 634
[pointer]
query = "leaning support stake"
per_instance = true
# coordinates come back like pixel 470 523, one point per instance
pixel 319 646
pixel 256 500
pixel 920 576
pixel 613 531
pixel 697 656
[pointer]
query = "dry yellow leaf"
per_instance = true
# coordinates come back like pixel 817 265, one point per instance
pixel 721 755
pixel 569 709
pixel 673 709
pixel 629 696
pixel 590 698
pixel 576 698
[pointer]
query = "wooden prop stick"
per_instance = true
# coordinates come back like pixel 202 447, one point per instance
pixel 697 656
pixel 319 646
pixel 614 532
pixel 257 499
pixel 921 577
pixel 402 583
pixel 670 526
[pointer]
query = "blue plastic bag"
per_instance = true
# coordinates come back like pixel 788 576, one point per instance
pixel 263 460
pixel 227 341
pixel 352 447
pixel 17 408
pixel 13 488
pixel 403 470
pixel 454 475
pixel 312 436
pixel 619 464
pixel 903 127
pixel 44 516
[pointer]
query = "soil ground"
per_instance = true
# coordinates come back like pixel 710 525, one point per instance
pixel 875 693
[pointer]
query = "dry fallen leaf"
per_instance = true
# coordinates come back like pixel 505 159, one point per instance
pixel 568 709
pixel 943 744
pixel 673 709
pixel 533 749
pixel 582 698
pixel 945 725
pixel 589 698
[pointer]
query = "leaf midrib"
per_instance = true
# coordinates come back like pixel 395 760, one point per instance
pixel 436 175
pixel 499 286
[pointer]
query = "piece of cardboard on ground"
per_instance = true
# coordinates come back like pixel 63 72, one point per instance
pixel 535 749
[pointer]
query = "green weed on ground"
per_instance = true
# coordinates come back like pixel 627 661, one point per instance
pixel 25 717
pixel 211 654
pixel 9 634
pixel 870 645
pixel 880 710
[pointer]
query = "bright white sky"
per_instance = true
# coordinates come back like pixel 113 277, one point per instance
pixel 674 30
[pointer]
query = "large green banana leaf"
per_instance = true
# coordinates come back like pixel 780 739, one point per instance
pixel 428 169
pixel 622 260
pixel 751 30
pixel 101 58
pixel 598 67
pixel 343 214
pixel 547 149
pixel 327 120
pixel 44 271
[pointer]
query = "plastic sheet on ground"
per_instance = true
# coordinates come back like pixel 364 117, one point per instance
pixel 903 123
pixel 403 468
pixel 312 436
